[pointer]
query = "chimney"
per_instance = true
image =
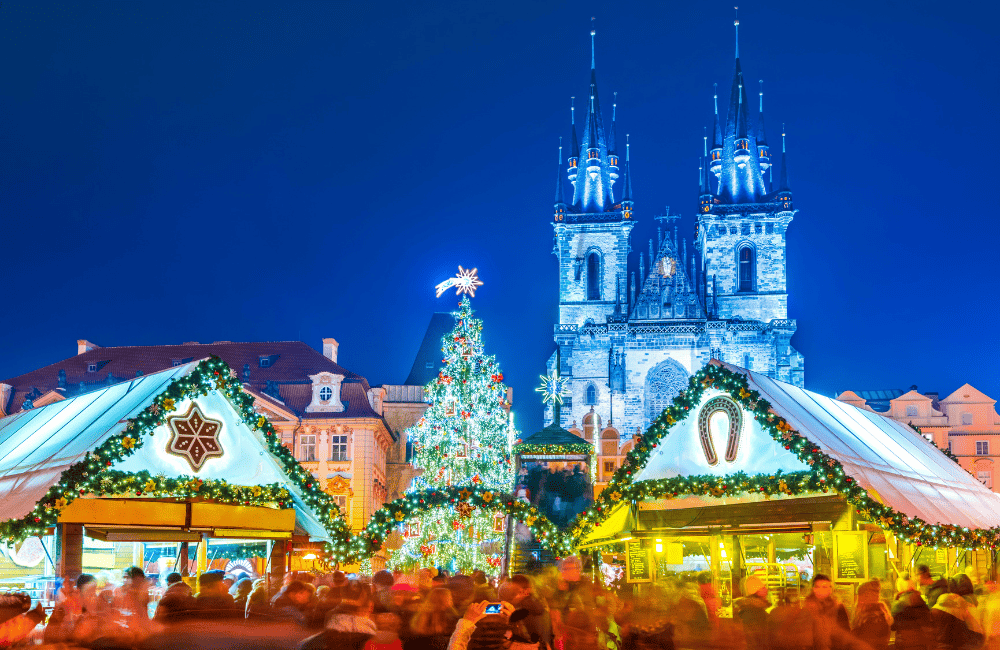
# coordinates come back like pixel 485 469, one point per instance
pixel 5 392
pixel 83 345
pixel 330 347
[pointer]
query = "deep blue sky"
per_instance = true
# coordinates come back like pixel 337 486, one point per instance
pixel 187 171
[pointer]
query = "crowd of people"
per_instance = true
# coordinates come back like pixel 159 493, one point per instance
pixel 560 490
pixel 557 608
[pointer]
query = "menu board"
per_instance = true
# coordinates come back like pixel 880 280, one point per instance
pixel 851 548
pixel 638 563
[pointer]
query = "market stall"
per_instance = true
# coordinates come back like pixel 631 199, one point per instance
pixel 747 475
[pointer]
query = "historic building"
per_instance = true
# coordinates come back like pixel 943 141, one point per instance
pixel 326 415
pixel 632 331
pixel 966 422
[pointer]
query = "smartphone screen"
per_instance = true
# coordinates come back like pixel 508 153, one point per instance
pixel 493 608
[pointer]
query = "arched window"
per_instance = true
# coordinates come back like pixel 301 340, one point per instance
pixel 591 395
pixel 609 442
pixel 746 269
pixel 591 424
pixel 593 276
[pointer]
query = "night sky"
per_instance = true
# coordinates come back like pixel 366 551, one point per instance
pixel 193 171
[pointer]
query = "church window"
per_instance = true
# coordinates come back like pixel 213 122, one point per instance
pixel 769 229
pixel 757 228
pixel 722 229
pixel 591 423
pixel 591 395
pixel 732 230
pixel 747 361
pixel 746 269
pixel 593 277
pixel 663 382
pixel 744 229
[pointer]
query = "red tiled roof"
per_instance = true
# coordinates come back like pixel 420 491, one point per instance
pixel 291 364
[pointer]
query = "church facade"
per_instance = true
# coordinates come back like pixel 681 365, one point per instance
pixel 633 328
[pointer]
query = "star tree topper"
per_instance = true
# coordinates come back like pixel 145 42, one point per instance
pixel 553 388
pixel 464 282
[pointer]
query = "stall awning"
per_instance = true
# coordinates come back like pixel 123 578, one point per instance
pixel 615 528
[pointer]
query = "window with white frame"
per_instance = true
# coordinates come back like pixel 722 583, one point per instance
pixel 982 447
pixel 967 418
pixel 338 448
pixel 307 448
pixel 325 393
pixel 985 477
pixel 911 410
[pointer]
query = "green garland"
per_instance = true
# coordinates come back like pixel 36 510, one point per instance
pixel 392 515
pixel 88 475
pixel 581 449
pixel 825 474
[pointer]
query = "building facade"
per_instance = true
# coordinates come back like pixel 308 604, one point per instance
pixel 966 422
pixel 329 417
pixel 632 331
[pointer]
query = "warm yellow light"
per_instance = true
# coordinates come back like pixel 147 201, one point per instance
pixel 659 548
pixel 309 556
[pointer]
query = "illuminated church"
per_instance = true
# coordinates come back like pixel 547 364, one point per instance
pixel 633 328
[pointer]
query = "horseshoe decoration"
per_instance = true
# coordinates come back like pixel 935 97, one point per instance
pixel 735 413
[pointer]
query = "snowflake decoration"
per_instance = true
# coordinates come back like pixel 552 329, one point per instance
pixel 464 282
pixel 553 388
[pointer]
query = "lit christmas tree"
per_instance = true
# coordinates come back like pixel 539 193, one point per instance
pixel 462 440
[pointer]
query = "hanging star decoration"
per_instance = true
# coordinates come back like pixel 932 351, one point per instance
pixel 553 388
pixel 464 282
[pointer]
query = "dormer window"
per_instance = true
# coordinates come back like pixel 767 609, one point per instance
pixel 326 396
pixel 91 367
pixel 325 393
pixel 266 360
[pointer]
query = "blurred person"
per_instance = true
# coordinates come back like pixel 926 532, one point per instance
pixel 69 608
pixel 229 582
pixel 213 598
pixel 462 590
pixel 386 635
pixel 293 602
pixel 872 619
pixel 911 617
pixel 18 627
pixel 962 585
pixel 477 630
pixel 929 587
pixel 177 598
pixel 258 604
pixel 825 604
pixel 537 623
pixel 579 631
pixel 382 582
pixel 956 627
pixel 242 589
pixel 132 597
pixel 751 611
pixel 690 615
pixel 434 621
pixel 481 588
pixel 354 612
pixel 791 626
pixel 712 600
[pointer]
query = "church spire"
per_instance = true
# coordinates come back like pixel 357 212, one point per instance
pixel 560 197
pixel 574 151
pixel 627 203
pixel 613 149
pixel 763 151
pixel 716 164
pixel 784 194
pixel 736 24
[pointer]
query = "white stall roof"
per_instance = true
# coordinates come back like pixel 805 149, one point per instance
pixel 37 445
pixel 887 458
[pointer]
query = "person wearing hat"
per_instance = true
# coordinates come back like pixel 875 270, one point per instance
pixel 751 611
pixel 956 627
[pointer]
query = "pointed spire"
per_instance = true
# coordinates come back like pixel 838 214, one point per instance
pixel 783 179
pixel 560 197
pixel 592 140
pixel 593 33
pixel 575 146
pixel 736 24
pixel 741 114
pixel 760 135
pixel 613 140
pixel 627 192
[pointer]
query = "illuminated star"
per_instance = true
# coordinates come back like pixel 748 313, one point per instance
pixel 553 388
pixel 464 282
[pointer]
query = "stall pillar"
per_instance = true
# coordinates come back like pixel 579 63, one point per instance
pixel 182 560
pixel 202 558
pixel 736 562
pixel 279 551
pixel 69 550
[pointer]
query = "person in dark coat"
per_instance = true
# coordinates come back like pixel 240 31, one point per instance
pixel 751 611
pixel 872 619
pixel 213 599
pixel 929 587
pixel 176 599
pixel 826 604
pixel 911 618
pixel 956 628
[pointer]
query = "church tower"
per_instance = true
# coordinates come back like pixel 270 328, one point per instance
pixel 593 224
pixel 742 225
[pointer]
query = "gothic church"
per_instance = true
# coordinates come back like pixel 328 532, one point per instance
pixel 628 342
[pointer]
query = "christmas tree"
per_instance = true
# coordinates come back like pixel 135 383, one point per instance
pixel 462 440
